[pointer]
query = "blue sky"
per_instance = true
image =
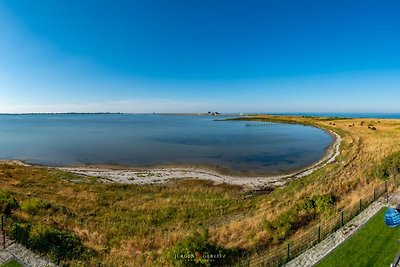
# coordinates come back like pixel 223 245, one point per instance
pixel 195 56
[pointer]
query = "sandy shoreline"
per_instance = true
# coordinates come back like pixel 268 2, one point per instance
pixel 159 175
pixel 163 175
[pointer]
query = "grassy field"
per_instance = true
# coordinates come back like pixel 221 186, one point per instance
pixel 374 244
pixel 126 224
pixel 132 225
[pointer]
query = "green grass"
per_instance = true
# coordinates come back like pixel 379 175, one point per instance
pixel 374 244
pixel 127 225
pixel 11 263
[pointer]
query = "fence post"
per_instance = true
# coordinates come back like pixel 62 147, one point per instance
pixel 374 194
pixel 387 192
pixel 360 205
pixel 288 252
pixel 342 218
pixel 2 232
pixel 319 233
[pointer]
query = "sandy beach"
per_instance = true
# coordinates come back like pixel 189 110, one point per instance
pixel 163 175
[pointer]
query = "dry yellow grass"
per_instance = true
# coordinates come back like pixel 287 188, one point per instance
pixel 348 178
pixel 131 225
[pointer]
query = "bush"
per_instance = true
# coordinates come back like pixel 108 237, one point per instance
pixel 319 203
pixel 7 203
pixel 34 205
pixel 287 223
pixel 389 167
pixel 20 232
pixel 57 244
pixel 198 250
pixel 298 217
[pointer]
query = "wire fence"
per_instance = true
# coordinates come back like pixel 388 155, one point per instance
pixel 3 234
pixel 284 253
pixel 55 245
pixel 56 250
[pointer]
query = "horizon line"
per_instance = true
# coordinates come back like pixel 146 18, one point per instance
pixel 197 113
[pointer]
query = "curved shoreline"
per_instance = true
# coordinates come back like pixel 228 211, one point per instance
pixel 159 175
pixel 165 174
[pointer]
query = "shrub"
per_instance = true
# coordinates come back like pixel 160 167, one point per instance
pixel 20 232
pixel 61 209
pixel 34 205
pixel 288 222
pixel 198 250
pixel 389 167
pixel 7 203
pixel 299 217
pixel 57 244
pixel 319 203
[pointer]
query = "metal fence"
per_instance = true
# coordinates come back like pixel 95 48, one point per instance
pixel 3 234
pixel 55 247
pixel 284 253
pixel 277 256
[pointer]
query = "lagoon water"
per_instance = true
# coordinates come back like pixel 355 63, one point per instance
pixel 145 140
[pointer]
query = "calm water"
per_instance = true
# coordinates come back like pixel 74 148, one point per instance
pixel 143 140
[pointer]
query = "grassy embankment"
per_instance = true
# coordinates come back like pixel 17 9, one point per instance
pixel 130 225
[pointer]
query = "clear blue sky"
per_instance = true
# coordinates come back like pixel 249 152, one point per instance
pixel 195 56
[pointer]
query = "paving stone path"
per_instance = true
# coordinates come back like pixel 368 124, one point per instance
pixel 21 254
pixel 315 254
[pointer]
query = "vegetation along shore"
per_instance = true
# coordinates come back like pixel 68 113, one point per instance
pixel 126 223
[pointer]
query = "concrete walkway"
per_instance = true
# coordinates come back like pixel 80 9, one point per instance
pixel 21 254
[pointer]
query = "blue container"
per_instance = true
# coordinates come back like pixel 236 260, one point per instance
pixel 392 217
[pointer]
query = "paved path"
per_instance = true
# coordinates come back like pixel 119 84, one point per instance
pixel 21 254
pixel 313 255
